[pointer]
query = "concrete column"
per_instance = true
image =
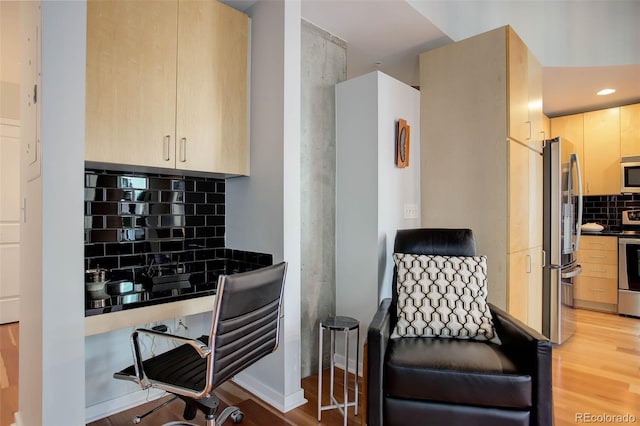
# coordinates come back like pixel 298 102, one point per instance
pixel 324 63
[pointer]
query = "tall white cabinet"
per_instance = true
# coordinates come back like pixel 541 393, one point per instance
pixel 372 193
pixel 482 132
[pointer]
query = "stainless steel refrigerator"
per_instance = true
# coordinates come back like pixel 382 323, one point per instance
pixel 562 218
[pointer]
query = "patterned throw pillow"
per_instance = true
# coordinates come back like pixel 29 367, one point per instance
pixel 443 296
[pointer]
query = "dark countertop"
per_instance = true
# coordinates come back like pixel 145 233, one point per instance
pixel 149 298
pixel 605 233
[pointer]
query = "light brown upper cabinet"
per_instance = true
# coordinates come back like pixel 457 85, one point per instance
pixel 571 128
pixel 603 136
pixel 524 94
pixel 602 151
pixel 167 85
pixel 630 130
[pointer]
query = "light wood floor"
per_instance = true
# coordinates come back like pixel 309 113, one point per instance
pixel 596 373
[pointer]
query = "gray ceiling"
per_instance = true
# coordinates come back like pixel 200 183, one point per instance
pixel 583 46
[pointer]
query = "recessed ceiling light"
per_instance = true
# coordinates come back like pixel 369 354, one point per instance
pixel 606 92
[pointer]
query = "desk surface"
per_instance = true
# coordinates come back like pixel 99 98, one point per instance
pixel 132 317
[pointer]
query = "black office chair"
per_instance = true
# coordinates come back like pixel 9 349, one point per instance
pixel 244 329
pixel 452 381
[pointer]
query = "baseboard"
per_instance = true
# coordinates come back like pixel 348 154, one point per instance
pixel 269 395
pixel 116 405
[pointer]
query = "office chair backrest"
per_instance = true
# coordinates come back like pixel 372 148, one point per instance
pixel 246 324
pixel 430 241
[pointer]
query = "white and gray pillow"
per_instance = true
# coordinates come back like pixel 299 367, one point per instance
pixel 443 296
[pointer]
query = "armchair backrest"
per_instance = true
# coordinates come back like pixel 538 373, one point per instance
pixel 435 241
pixel 246 321
pixel 431 241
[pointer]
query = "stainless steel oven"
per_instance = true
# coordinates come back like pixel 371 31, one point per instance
pixel 629 276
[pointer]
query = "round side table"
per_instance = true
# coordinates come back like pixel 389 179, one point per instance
pixel 346 325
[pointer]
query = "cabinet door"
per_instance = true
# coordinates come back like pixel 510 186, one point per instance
pixel 534 305
pixel 602 151
pixel 571 128
pixel 518 284
pixel 597 290
pixel 525 286
pixel 525 197
pixel 519 197
pixel 131 82
pixel 212 128
pixel 536 123
pixel 535 198
pixel 518 90
pixel 630 130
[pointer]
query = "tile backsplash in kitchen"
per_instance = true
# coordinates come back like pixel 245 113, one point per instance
pixel 607 209
pixel 130 218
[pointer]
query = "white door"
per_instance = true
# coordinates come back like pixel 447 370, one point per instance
pixel 9 221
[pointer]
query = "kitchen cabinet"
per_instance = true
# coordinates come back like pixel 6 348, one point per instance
pixel 478 170
pixel 603 136
pixel 630 130
pixel 571 128
pixel 167 85
pixel 525 195
pixel 602 151
pixel 525 289
pixel 597 287
pixel 524 94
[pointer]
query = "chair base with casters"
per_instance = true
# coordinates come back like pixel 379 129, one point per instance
pixel 245 328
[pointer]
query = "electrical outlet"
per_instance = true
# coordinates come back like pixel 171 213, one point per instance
pixel 410 211
pixel 180 325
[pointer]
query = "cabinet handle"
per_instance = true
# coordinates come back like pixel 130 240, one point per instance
pixel 544 258
pixel 183 149
pixel 167 148
pixel 529 123
pixel 528 264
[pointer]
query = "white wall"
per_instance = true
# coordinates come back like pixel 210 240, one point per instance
pixel 263 210
pixel 52 309
pixel 611 27
pixel 371 190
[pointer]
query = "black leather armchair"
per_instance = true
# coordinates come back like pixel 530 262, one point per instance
pixel 443 381
pixel 245 328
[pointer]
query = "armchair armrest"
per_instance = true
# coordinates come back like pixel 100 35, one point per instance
pixel 377 341
pixel 202 349
pixel 533 351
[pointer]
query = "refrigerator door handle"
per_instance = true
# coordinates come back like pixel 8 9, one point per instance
pixel 576 161
pixel 572 273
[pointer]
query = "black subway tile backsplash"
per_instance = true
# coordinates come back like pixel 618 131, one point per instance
pixel 134 218
pixel 607 209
